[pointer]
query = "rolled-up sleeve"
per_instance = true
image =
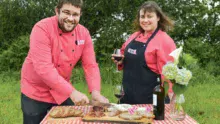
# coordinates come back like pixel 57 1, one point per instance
pixel 41 56
pixel 90 67
pixel 163 54
pixel 165 48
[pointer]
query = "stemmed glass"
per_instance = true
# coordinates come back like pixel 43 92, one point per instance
pixel 119 92
pixel 117 56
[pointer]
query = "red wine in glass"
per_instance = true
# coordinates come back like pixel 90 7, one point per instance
pixel 119 92
pixel 118 58
pixel 119 96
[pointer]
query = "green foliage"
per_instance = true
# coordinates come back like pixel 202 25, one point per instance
pixel 204 51
pixel 13 57
pixel 107 71
pixel 78 71
pixel 17 17
pixel 96 13
pixel 111 25
pixel 109 74
pixel 197 24
pixel 213 68
pixel 179 89
pixel 186 60
pixel 166 87
pixel 104 46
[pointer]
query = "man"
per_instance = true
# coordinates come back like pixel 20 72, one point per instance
pixel 56 44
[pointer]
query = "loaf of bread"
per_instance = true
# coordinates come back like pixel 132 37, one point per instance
pixel 63 112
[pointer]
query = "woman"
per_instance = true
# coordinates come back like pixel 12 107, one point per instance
pixel 145 52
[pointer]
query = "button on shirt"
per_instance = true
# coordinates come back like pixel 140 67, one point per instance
pixel 53 54
pixel 158 50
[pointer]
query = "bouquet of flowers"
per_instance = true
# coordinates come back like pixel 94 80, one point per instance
pixel 179 76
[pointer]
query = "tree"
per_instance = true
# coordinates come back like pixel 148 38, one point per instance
pixel 110 23
pixel 19 16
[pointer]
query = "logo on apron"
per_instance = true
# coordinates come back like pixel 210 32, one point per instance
pixel 80 42
pixel 132 51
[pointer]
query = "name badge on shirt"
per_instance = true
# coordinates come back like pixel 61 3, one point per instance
pixel 80 42
pixel 132 51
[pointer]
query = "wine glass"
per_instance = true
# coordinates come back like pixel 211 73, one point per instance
pixel 117 56
pixel 119 92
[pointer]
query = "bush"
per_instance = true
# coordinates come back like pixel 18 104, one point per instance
pixel 213 68
pixel 190 62
pixel 13 57
pixel 203 50
pixel 201 74
pixel 17 17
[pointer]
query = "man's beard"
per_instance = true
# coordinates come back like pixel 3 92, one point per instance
pixel 62 27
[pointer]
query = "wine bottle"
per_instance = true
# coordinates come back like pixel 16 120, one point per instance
pixel 158 101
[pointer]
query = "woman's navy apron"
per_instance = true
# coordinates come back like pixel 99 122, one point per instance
pixel 138 80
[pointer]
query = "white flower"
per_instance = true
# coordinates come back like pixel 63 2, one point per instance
pixel 180 99
pixel 183 76
pixel 170 70
pixel 97 35
pixel 175 54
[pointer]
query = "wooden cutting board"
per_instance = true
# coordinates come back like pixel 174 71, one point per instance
pixel 70 120
pixel 116 119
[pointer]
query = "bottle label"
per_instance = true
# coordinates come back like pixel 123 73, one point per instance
pixel 154 99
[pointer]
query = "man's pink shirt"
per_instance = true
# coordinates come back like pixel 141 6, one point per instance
pixel 53 54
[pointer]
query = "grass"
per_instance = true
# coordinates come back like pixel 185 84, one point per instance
pixel 202 99
pixel 203 103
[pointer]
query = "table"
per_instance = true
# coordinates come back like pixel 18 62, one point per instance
pixel 86 109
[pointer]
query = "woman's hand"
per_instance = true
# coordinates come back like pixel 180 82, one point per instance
pixel 117 59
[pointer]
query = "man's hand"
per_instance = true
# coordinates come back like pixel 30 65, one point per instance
pixel 79 98
pixel 96 96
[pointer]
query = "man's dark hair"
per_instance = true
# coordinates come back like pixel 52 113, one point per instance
pixel 77 3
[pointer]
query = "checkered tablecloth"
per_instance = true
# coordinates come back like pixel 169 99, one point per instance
pixel 86 109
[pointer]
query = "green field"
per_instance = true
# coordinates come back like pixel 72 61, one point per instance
pixel 202 100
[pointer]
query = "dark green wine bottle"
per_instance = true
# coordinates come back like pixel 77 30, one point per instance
pixel 158 101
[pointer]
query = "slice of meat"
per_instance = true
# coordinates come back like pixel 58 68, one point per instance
pixel 98 108
pixel 97 111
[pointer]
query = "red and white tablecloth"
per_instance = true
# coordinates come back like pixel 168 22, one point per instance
pixel 86 109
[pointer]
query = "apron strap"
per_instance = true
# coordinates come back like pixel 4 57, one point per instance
pixel 152 36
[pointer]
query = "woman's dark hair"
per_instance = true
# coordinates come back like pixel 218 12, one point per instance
pixel 165 23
